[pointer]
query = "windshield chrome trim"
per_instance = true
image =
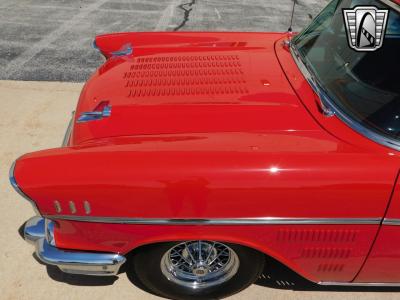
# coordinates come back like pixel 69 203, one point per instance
pixel 220 221
pixel 67 134
pixel 391 4
pixel 330 104
pixel 325 106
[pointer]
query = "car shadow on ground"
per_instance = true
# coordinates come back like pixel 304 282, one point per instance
pixel 21 230
pixel 81 280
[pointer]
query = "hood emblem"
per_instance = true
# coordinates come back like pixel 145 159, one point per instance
pixel 125 50
pixel 95 115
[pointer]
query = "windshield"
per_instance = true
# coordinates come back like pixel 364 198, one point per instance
pixel 365 86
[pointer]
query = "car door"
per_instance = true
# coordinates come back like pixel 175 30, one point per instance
pixel 383 262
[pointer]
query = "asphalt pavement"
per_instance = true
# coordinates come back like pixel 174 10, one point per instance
pixel 50 40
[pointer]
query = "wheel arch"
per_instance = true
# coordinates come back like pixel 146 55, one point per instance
pixel 248 243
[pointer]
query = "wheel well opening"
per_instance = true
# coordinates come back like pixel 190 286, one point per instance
pixel 275 274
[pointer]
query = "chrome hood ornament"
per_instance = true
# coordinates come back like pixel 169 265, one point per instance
pixel 95 115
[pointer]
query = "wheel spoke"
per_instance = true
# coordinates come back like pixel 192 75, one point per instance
pixel 190 254
pixel 199 245
pixel 182 257
pixel 218 256
pixel 209 253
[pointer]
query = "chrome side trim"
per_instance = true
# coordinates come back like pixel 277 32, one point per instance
pixel 68 132
pixel 355 284
pixel 18 190
pixel 332 109
pixel 222 221
pixel 69 261
pixel 391 222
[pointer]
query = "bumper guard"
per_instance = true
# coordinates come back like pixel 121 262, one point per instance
pixel 73 262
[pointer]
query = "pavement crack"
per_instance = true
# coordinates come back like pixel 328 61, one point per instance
pixel 187 9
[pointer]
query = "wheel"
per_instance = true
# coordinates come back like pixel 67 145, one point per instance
pixel 195 269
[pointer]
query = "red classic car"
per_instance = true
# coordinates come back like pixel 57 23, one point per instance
pixel 192 157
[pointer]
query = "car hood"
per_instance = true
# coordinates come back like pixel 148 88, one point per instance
pixel 173 83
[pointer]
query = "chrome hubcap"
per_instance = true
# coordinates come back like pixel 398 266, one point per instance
pixel 199 264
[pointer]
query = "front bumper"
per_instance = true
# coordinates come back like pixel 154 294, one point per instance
pixel 73 262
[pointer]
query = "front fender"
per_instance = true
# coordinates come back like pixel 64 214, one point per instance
pixel 316 252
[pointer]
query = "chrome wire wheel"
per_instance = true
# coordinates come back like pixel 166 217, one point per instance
pixel 199 264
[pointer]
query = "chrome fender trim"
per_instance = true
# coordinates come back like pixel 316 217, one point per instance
pixel 221 221
pixel 14 184
pixel 391 222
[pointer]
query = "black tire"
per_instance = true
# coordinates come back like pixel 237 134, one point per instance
pixel 143 269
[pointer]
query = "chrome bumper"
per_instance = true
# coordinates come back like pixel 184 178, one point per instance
pixel 73 262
